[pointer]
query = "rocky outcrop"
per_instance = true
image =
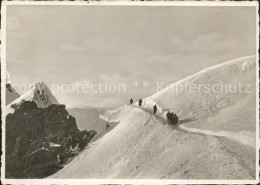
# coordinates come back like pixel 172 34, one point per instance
pixel 39 141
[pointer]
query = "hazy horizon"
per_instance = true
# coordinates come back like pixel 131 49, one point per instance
pixel 122 45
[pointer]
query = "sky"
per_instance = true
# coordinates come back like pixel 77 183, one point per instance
pixel 137 47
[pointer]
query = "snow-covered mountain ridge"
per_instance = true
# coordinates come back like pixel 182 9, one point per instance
pixel 145 146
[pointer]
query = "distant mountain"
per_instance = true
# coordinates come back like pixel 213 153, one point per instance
pixel 39 93
pixel 11 93
pixel 88 118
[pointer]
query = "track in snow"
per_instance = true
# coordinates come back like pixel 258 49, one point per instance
pixel 243 138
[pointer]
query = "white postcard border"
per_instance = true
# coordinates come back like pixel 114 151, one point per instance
pixel 120 3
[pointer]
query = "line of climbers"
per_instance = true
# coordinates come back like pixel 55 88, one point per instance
pixel 171 117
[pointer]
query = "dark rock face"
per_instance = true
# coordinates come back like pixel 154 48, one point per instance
pixel 39 141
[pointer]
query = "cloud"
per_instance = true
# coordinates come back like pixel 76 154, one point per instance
pixel 113 78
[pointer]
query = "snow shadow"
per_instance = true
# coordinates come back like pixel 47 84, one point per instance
pixel 187 120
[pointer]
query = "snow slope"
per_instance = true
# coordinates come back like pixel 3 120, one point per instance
pixel 88 118
pixel 146 146
pixel 209 109
pixel 39 93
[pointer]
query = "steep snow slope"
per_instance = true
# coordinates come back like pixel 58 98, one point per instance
pixel 145 146
pixel 11 93
pixel 226 110
pixel 88 118
pixel 39 93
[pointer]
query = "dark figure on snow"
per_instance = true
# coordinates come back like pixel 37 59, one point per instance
pixel 131 101
pixel 168 115
pixel 172 118
pixel 107 126
pixel 154 109
pixel 140 102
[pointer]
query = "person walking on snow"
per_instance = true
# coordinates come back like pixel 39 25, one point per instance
pixel 154 109
pixel 168 115
pixel 140 102
pixel 107 126
pixel 131 101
